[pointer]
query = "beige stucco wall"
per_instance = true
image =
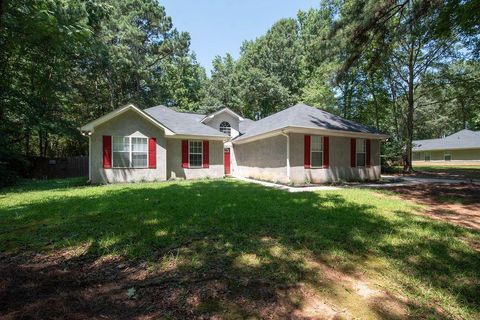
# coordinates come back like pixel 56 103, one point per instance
pixel 339 163
pixel 174 162
pixel 457 155
pixel 263 159
pixel 266 159
pixel 129 123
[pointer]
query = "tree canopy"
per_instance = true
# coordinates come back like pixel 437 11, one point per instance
pixel 409 68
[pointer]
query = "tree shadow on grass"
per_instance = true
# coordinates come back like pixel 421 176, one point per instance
pixel 40 185
pixel 214 247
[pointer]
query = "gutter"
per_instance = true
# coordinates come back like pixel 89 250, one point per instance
pixel 89 158
pixel 308 130
pixel 288 154
pixel 198 137
pixel 446 149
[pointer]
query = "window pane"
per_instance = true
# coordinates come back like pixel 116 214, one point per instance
pixel 195 146
pixel 139 144
pixel 360 159
pixel 121 144
pixel 316 142
pixel 360 145
pixel 317 159
pixel 195 160
pixel 121 159
pixel 225 127
pixel 139 159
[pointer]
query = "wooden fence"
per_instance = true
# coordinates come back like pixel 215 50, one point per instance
pixel 58 168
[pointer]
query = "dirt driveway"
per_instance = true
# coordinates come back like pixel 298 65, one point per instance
pixel 446 172
pixel 456 203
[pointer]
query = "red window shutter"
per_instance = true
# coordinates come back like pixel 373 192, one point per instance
pixel 326 151
pixel 152 153
pixel 184 153
pixel 367 150
pixel 353 152
pixel 205 153
pixel 306 152
pixel 107 152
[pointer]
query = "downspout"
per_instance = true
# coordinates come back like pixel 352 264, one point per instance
pixel 288 155
pixel 89 157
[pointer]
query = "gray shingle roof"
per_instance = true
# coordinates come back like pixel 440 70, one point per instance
pixel 464 139
pixel 182 122
pixel 244 125
pixel 301 115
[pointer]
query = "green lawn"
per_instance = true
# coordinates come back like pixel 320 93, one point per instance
pixel 260 235
pixel 453 171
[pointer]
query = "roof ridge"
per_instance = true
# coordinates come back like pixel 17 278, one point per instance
pixel 171 109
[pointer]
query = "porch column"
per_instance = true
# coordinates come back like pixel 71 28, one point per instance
pixel 288 155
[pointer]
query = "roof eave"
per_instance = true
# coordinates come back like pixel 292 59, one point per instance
pixel 211 116
pixel 90 127
pixel 200 137
pixel 445 149
pixel 308 130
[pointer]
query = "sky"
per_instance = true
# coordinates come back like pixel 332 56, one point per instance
pixel 218 27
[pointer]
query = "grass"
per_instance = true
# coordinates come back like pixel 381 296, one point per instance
pixel 445 170
pixel 253 232
pixel 435 167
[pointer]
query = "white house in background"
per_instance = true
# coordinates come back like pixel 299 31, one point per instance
pixel 296 145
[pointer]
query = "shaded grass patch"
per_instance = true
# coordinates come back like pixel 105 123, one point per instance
pixel 257 236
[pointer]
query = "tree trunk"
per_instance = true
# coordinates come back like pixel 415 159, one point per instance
pixel 27 143
pixel 407 168
pixel 40 143
pixel 375 102
pixel 464 115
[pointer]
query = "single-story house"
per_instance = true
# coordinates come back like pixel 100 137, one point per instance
pixel 463 146
pixel 297 145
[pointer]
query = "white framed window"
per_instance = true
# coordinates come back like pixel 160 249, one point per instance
pixel 129 152
pixel 361 152
pixel 316 151
pixel 447 157
pixel 427 157
pixel 225 128
pixel 195 154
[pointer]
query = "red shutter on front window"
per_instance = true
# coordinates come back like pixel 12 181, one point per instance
pixel 107 152
pixel 205 153
pixel 367 150
pixel 306 152
pixel 353 152
pixel 184 153
pixel 152 153
pixel 326 152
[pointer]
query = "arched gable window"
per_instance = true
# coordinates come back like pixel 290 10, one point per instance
pixel 225 127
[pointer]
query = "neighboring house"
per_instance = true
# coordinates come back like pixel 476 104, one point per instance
pixel 461 146
pixel 299 144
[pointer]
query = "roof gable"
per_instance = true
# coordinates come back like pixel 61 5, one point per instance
pixel 90 127
pixel 182 123
pixel 223 110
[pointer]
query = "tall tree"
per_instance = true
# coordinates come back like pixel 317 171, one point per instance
pixel 223 87
pixel 415 51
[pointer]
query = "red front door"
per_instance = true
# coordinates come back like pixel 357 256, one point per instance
pixel 226 160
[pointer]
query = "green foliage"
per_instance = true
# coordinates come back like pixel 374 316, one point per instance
pixel 68 62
